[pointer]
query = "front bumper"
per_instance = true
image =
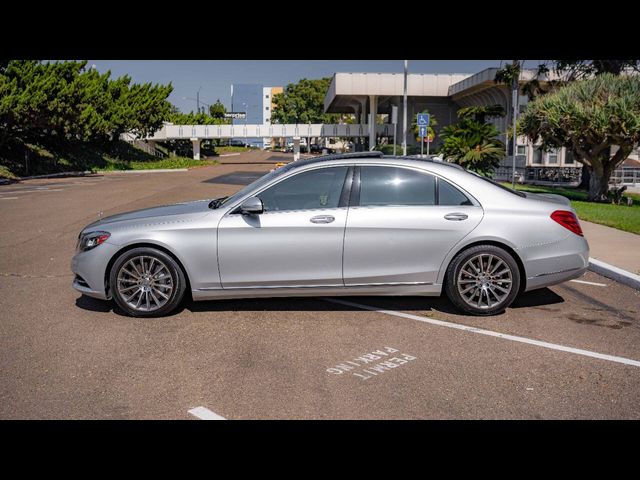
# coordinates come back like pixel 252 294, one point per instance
pixel 90 269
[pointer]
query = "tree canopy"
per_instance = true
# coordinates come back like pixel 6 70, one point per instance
pixel 588 117
pixel 473 143
pixel 59 101
pixel 303 102
pixel 217 110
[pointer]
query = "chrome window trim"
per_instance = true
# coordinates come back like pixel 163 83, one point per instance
pixel 286 177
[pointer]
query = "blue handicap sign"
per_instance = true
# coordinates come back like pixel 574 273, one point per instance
pixel 422 132
pixel 423 119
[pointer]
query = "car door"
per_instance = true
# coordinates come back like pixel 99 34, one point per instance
pixel 298 239
pixel 402 222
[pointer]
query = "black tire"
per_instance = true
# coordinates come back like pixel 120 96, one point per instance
pixel 176 281
pixel 453 277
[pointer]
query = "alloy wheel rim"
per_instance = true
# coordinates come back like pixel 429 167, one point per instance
pixel 145 283
pixel 484 281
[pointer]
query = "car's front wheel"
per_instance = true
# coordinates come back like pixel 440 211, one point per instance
pixel 482 280
pixel 146 282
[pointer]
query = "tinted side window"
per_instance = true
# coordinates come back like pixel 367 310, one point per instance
pixel 315 189
pixel 450 195
pixel 396 186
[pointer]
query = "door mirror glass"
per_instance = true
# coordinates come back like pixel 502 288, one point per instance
pixel 251 206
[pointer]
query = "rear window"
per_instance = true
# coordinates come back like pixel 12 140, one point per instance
pixel 396 186
pixel 450 195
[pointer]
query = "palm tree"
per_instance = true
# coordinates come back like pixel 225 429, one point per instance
pixel 480 114
pixel 472 144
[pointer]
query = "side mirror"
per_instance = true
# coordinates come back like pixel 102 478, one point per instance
pixel 251 206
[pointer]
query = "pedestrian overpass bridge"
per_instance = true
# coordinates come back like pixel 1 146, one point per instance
pixel 197 133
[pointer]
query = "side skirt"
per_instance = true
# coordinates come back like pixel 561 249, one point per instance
pixel 429 290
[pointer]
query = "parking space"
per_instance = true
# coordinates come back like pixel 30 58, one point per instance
pixel 570 351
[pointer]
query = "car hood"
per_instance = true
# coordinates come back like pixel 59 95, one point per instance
pixel 549 197
pixel 162 211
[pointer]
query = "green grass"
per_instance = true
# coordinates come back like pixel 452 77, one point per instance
pixel 160 163
pixel 6 173
pixel 78 156
pixel 621 217
pixel 221 150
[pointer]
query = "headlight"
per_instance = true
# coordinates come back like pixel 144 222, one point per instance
pixel 91 240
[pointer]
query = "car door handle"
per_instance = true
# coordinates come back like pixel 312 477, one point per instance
pixel 456 216
pixel 322 219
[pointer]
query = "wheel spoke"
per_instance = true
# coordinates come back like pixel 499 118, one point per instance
pixel 467 289
pixel 135 268
pixel 131 274
pixel 132 295
pixel 498 263
pixel 502 272
pixel 162 294
pixel 155 299
pixel 126 289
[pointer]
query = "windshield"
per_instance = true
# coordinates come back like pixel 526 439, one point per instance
pixel 252 186
pixel 493 182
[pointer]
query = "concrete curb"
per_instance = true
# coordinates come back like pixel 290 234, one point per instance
pixel 157 170
pixel 619 275
pixel 56 175
pixel 88 172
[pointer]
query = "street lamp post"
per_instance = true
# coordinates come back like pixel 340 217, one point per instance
pixel 515 86
pixel 404 111
pixel 246 116
pixel 197 100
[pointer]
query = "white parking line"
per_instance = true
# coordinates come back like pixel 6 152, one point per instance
pixel 204 413
pixel 8 198
pixel 33 191
pixel 514 338
pixel 589 283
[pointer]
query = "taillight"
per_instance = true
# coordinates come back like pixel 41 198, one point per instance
pixel 568 220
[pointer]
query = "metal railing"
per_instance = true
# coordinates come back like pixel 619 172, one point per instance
pixel 626 176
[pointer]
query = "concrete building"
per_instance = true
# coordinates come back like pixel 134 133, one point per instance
pixel 257 101
pixel 367 95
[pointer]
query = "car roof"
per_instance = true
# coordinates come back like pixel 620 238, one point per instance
pixel 375 157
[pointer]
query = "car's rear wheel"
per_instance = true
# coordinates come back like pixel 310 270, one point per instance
pixel 146 282
pixel 482 280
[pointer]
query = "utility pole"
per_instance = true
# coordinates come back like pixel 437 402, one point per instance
pixel 198 99
pixel 515 89
pixel 404 111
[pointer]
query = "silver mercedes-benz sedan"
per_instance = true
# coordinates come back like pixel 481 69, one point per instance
pixel 353 224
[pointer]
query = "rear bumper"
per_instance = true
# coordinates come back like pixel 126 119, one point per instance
pixel 548 265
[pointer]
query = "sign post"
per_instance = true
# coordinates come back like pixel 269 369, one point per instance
pixel 423 124
pixel 422 131
pixel 394 121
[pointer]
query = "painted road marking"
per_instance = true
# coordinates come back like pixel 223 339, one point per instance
pixel 514 338
pixel 8 198
pixel 373 363
pixel 589 283
pixel 204 413
pixel 32 191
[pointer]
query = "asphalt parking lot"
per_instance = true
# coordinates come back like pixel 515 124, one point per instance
pixel 566 352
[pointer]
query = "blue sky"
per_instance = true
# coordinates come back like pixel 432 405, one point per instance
pixel 216 76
